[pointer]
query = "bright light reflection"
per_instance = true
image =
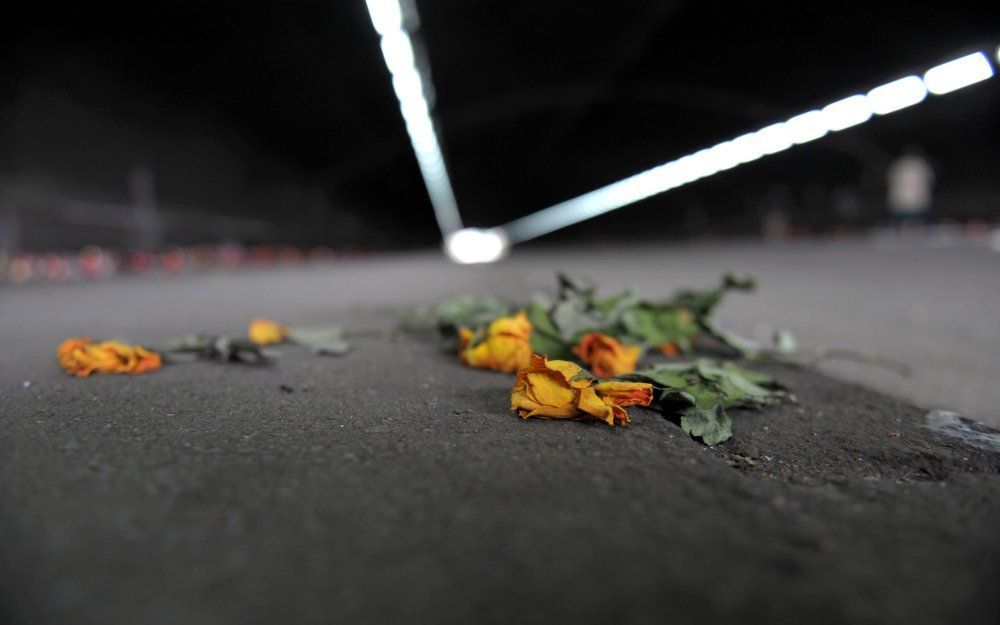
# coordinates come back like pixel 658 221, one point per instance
pixel 897 94
pixel 847 112
pixel 475 245
pixel 387 15
pixel 774 138
pixel 959 73
pixel 806 127
pixel 746 148
pixel 407 83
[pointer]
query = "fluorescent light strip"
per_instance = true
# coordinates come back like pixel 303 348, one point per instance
pixel 896 95
pixel 959 73
pixel 407 82
pixel 800 129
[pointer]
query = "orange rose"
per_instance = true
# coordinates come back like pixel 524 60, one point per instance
pixel 506 346
pixel 606 356
pixel 265 331
pixel 558 389
pixel 669 349
pixel 82 356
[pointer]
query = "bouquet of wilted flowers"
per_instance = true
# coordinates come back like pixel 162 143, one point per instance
pixel 610 336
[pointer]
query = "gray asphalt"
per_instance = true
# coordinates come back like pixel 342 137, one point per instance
pixel 393 484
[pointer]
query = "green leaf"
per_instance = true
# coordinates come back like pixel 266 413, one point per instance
pixel 711 425
pixel 660 377
pixel 657 324
pixel 323 341
pixel 545 337
pixel 640 323
pixel 738 386
pixel 706 394
pixel 754 376
pixel 574 318
pixel 698 394
pixel 311 336
pixel 218 347
pixel 577 286
pixel 741 282
pixel 702 303
pixel 466 311
pixel 613 307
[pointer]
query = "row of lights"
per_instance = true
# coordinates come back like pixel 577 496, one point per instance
pixel 388 18
pixel 481 246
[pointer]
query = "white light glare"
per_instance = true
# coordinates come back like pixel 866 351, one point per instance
pixel 897 94
pixel 800 129
pixel 806 127
pixel 398 51
pixel 959 73
pixel 397 48
pixel 387 15
pixel 475 245
pixel 847 112
pixel 774 138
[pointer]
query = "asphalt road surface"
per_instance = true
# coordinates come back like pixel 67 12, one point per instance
pixel 392 484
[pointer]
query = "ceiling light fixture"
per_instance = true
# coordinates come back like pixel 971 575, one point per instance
pixel 389 19
pixel 797 130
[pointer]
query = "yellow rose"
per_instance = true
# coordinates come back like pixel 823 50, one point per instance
pixel 265 331
pixel 82 356
pixel 606 356
pixel 558 389
pixel 506 346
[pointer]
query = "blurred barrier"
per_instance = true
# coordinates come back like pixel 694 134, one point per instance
pixel 94 262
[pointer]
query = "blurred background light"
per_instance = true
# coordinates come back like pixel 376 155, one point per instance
pixel 959 73
pixel 408 84
pixel 806 127
pixel 476 245
pixel 897 94
pixel 847 112
pixel 747 148
pixel 774 138
pixel 387 15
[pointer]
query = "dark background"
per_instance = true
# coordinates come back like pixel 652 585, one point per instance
pixel 265 121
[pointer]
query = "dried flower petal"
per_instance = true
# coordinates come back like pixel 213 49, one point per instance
pixel 266 332
pixel 558 389
pixel 606 356
pixel 506 346
pixel 82 357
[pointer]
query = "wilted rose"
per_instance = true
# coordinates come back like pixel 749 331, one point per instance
pixel 82 357
pixel 266 332
pixel 505 347
pixel 558 389
pixel 606 356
